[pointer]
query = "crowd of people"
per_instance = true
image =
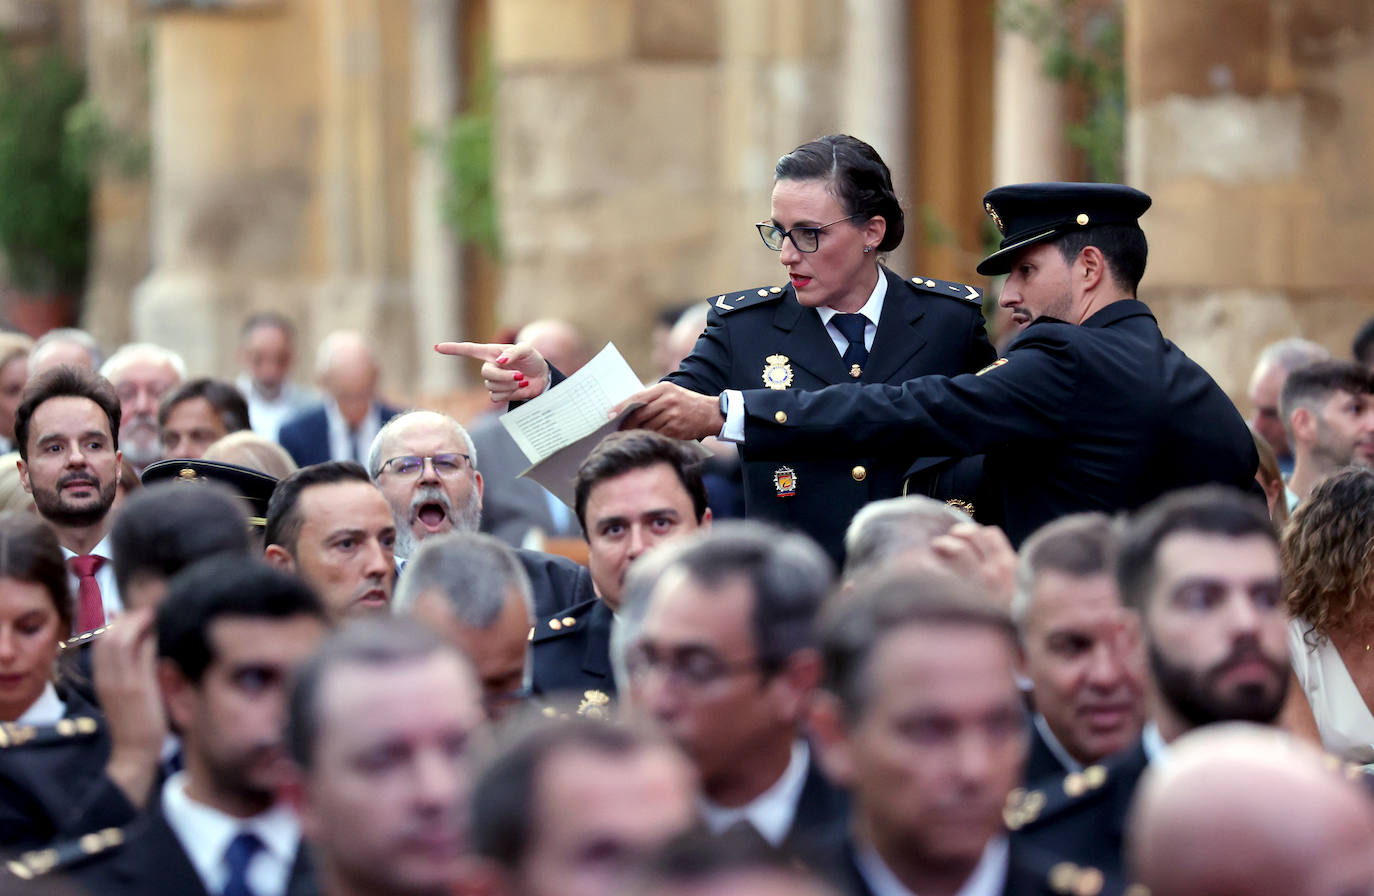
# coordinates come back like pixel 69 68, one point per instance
pixel 857 607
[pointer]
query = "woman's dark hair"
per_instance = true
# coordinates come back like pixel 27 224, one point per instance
pixel 857 175
pixel 29 552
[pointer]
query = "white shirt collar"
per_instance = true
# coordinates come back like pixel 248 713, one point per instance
pixel 48 709
pixel 205 833
pixel 339 433
pixel 1065 759
pixel 104 577
pixel 771 812
pixel 989 876
pixel 872 309
pixel 1156 749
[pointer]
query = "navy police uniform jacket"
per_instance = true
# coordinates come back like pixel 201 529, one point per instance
pixel 765 337
pixel 1103 416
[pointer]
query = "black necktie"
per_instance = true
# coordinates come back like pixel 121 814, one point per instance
pixel 851 327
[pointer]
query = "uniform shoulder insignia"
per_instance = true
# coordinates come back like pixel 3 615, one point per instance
pixel 595 705
pixel 64 855
pixel 734 301
pixel 949 289
pixel 83 638
pixel 560 624
pixel 74 727
pixel 1073 880
pixel 1027 808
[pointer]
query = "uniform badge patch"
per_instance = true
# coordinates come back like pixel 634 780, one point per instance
pixel 993 366
pixel 777 373
pixel 785 481
pixel 996 218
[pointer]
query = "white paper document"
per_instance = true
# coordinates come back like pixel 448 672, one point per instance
pixel 557 430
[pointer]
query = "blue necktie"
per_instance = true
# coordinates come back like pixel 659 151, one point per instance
pixel 851 327
pixel 238 857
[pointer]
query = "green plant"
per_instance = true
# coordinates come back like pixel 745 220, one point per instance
pixel 1082 44
pixel 469 197
pixel 45 177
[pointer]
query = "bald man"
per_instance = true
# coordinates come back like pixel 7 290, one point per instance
pixel 343 426
pixel 1292 825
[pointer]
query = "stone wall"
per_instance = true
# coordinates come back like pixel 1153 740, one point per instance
pixel 1259 153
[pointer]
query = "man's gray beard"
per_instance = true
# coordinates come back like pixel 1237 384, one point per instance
pixel 139 441
pixel 466 520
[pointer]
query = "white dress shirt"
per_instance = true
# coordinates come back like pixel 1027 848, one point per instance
pixel 1156 749
pixel 989 876
pixel 266 415
pixel 104 577
pixel 733 430
pixel 339 435
pixel 205 834
pixel 46 710
pixel 771 812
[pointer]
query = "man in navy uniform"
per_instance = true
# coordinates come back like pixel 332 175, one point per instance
pixel 635 490
pixel 1091 408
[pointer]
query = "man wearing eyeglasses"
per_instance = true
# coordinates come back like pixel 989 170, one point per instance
pixel 716 645
pixel 425 464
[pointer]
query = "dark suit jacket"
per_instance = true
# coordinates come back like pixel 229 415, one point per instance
pixel 53 784
pixel 306 435
pixel 571 651
pixel 924 330
pixel 1103 416
pixel 1028 874
pixel 558 583
pixel 1087 828
pixel 151 862
pixel 822 815
pixel 1041 763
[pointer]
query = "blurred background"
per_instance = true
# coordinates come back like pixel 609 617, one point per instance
pixel 453 169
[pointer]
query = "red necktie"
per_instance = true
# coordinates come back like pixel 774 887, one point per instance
pixel 90 607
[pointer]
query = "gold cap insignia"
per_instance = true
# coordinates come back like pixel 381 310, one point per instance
pixel 1082 220
pixel 186 474
pixel 785 481
pixel 595 705
pixel 996 218
pixel 777 372
pixel 855 371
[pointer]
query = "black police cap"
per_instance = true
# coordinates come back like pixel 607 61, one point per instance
pixel 253 486
pixel 1033 213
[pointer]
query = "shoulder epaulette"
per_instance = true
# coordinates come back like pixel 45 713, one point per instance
pixel 734 301
pixel 83 638
pixel 1025 807
pixel 949 289
pixel 1075 880
pixel 16 735
pixel 559 625
pixel 64 855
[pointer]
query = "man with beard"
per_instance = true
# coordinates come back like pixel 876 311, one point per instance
pixel 425 464
pixel 328 524
pixel 1328 410
pixel 229 635
pixel 142 373
pixel 1201 568
pixel 65 429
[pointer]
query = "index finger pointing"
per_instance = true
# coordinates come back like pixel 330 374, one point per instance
pixel 478 350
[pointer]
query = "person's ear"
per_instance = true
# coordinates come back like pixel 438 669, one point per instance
pixel 874 231
pixel 178 695
pixel 279 557
pixel 830 734
pixel 1091 267
pixel 1303 424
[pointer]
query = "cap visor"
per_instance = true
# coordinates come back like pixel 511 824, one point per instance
pixel 1000 261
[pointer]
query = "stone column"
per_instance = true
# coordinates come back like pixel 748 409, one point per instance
pixel 1256 150
pixel 874 100
pixel 436 260
pixel 1028 111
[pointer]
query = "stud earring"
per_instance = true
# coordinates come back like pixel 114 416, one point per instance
pixel 867 249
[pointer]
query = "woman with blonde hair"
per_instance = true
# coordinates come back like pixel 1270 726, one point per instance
pixel 1328 561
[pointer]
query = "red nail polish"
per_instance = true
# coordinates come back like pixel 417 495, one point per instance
pixel 501 360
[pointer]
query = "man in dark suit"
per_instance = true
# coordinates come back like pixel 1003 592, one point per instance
pixel 922 719
pixel 425 464
pixel 634 491
pixel 1201 568
pixel 1091 408
pixel 1084 657
pixel 230 633
pixel 716 646
pixel 344 424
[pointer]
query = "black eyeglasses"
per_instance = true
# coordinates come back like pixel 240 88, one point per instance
pixel 806 239
pixel 692 668
pixel 410 464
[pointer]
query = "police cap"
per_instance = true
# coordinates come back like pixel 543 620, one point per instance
pixel 1034 213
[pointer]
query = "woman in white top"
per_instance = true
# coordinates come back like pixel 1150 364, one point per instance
pixel 1328 559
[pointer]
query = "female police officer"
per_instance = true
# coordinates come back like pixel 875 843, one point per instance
pixel 841 317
